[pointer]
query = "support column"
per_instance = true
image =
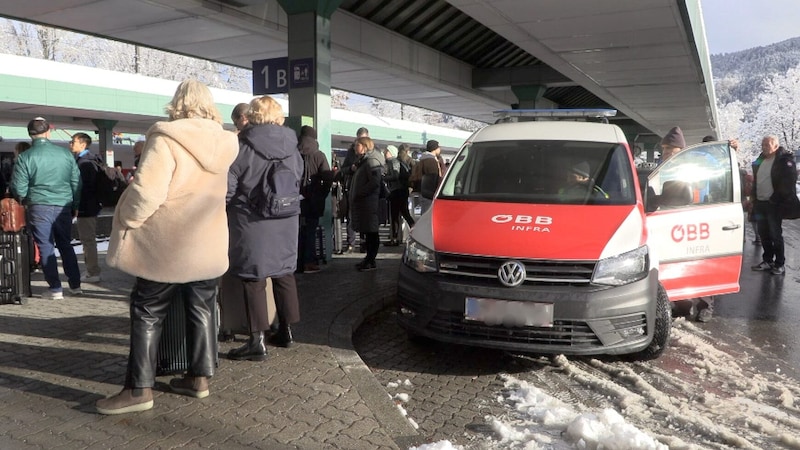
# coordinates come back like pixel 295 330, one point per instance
pixel 310 48
pixel 106 139
pixel 531 97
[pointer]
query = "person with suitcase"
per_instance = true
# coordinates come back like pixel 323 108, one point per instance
pixel 315 187
pixel 263 234
pixel 170 231
pixel 47 181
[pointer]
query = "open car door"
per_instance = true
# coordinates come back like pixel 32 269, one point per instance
pixel 695 221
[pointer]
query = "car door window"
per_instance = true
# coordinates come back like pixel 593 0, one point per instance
pixel 699 175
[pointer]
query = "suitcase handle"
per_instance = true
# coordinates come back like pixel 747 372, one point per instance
pixel 9 266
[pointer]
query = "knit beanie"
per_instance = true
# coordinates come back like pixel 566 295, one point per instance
pixel 674 138
pixel 392 150
pixel 431 145
pixel 309 131
pixel 582 169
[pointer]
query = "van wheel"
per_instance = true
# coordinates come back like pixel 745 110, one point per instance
pixel 662 328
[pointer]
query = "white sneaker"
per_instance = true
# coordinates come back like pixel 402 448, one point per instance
pixel 53 295
pixel 86 278
pixel 75 292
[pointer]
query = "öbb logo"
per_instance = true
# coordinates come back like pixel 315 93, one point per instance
pixel 510 218
pixel 690 232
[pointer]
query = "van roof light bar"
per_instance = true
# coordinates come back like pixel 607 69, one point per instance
pixel 577 112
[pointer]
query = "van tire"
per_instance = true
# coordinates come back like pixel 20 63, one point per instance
pixel 662 328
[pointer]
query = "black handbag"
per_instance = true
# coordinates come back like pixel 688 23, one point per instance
pixel 384 193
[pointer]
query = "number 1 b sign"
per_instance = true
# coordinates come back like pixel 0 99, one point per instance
pixel 271 76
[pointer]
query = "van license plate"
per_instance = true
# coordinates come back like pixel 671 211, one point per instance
pixel 508 313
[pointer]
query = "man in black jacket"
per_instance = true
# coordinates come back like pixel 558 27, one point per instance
pixel 89 206
pixel 775 175
pixel 317 180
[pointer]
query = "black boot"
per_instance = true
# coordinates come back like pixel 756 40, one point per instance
pixel 283 338
pixel 254 350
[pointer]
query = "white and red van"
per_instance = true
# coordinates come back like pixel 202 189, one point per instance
pixel 542 238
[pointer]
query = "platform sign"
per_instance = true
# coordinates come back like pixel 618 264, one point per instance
pixel 271 76
pixel 302 73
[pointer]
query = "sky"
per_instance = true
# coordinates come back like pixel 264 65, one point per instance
pixel 733 25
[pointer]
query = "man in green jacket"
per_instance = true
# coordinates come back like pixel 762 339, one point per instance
pixel 46 179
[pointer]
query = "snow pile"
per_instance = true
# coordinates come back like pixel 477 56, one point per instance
pixel 401 398
pixel 541 419
pixel 441 445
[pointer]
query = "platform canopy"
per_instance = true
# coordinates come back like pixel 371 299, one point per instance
pixel 647 59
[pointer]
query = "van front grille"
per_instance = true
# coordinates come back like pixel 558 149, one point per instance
pixel 539 272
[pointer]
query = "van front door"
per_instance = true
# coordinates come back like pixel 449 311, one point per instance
pixel 695 221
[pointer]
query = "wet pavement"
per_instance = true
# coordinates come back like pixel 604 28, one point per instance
pixel 452 392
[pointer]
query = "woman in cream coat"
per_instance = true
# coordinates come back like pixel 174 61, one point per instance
pixel 170 231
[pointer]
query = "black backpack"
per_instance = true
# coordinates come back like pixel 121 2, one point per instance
pixel 278 193
pixel 110 183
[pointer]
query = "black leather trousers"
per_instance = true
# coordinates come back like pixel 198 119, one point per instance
pixel 150 301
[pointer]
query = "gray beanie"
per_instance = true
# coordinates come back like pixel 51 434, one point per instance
pixel 582 169
pixel 674 138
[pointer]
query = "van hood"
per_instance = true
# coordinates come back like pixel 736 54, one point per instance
pixel 523 230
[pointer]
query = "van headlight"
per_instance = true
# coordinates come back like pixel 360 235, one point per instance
pixel 622 269
pixel 419 257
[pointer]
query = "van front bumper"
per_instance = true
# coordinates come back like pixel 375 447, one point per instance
pixel 587 319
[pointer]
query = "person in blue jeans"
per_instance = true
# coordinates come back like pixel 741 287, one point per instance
pixel 46 179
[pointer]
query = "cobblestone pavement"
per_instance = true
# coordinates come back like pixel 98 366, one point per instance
pixel 58 357
pixel 450 388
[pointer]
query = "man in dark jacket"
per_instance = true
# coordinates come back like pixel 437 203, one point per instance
pixel 775 175
pixel 428 164
pixel 89 207
pixel 47 180
pixel 317 180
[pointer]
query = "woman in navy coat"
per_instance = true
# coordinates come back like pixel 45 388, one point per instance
pixel 263 247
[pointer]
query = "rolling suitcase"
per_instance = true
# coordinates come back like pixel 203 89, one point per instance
pixel 338 217
pixel 320 245
pixel 231 305
pixel 172 357
pixel 12 215
pixel 15 267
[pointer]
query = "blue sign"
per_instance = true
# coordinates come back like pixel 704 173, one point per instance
pixel 301 72
pixel 271 76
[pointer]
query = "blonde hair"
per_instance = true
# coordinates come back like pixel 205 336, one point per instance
pixel 265 110
pixel 366 142
pixel 193 100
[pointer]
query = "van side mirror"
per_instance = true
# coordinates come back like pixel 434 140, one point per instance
pixel 428 185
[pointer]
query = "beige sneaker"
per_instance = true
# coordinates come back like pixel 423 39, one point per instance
pixel 196 387
pixel 127 401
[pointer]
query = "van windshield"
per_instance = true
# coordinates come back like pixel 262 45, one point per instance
pixel 545 172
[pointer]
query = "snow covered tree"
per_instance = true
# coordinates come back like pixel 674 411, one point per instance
pixel 731 125
pixel 339 99
pixel 778 110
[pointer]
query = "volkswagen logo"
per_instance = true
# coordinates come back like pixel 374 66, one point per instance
pixel 511 273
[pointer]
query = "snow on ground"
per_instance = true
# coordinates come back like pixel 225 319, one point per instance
pixel 542 421
pixel 700 394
